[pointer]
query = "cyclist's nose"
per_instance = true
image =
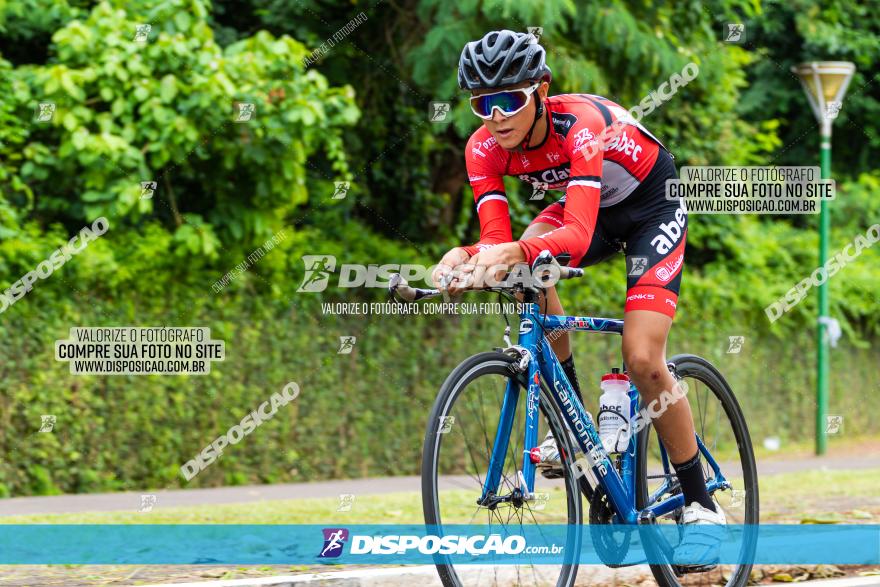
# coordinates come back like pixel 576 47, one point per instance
pixel 497 117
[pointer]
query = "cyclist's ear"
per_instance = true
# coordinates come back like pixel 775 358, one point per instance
pixel 543 89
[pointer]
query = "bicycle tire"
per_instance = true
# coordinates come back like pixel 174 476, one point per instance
pixel 488 363
pixel 686 365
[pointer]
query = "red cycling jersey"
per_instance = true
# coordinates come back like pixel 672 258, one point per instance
pixel 573 158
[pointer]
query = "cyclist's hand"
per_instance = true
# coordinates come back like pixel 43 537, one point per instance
pixel 450 261
pixel 490 266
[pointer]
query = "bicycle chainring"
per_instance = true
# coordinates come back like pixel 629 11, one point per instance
pixel 612 547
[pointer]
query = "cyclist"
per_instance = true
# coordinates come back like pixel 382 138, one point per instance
pixel 613 172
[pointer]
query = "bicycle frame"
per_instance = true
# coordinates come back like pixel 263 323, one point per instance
pixel 543 364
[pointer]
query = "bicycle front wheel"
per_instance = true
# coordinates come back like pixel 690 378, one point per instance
pixel 720 424
pixel 455 460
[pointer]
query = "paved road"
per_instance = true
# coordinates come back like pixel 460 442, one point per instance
pixel 106 502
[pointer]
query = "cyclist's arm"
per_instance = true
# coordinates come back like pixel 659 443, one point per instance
pixel 581 209
pixel 490 199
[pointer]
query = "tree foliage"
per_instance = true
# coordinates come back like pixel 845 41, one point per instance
pixel 167 109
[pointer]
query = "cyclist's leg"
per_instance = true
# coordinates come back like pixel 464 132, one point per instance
pixel 657 249
pixel 655 258
pixel 644 350
pixel 644 353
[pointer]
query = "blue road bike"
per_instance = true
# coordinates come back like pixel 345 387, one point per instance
pixel 477 463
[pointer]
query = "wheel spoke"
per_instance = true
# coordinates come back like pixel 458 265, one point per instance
pixel 716 429
pixel 476 408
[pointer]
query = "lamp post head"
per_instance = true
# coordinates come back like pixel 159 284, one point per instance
pixel 825 83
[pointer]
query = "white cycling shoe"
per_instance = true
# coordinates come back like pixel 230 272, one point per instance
pixel 701 545
pixel 550 463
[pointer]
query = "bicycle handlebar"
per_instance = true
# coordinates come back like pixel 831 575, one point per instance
pixel 545 259
pixel 399 288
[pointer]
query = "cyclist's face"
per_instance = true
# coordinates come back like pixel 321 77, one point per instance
pixel 511 131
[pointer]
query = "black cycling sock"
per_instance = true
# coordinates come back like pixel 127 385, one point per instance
pixel 568 367
pixel 693 484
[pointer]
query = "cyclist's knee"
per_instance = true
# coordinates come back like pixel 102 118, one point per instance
pixel 644 363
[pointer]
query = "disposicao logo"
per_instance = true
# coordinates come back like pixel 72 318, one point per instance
pixel 334 540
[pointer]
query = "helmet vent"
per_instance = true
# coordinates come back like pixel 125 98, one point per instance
pixel 501 58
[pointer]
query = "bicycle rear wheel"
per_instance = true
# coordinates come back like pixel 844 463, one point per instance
pixel 719 422
pixel 458 446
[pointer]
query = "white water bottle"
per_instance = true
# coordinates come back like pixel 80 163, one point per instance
pixel 614 411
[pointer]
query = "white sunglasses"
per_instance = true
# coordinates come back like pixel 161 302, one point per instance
pixel 507 102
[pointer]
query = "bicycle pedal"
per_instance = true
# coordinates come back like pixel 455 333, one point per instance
pixel 548 473
pixel 681 570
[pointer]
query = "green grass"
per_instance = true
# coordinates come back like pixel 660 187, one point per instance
pixel 841 496
pixel 832 495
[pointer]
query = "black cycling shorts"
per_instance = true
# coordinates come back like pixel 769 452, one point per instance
pixel 651 231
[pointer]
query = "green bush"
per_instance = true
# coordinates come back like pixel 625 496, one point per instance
pixel 165 111
pixel 358 414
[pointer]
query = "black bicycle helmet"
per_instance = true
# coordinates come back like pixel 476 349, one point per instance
pixel 502 58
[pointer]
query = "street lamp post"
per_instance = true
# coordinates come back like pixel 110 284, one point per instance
pixel 825 84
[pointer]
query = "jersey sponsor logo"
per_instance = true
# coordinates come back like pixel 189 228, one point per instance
pixel 671 230
pixel 554 176
pixel 525 326
pixel 583 138
pixel 627 145
pixel 553 157
pixel 481 148
pixel 667 270
pixel 562 122
pixel 524 160
pixel 476 177
pixel 607 193
pixel 640 296
pixel 671 303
